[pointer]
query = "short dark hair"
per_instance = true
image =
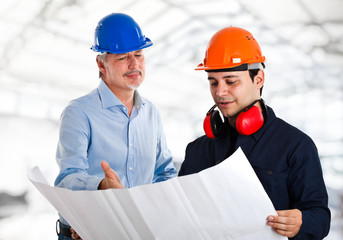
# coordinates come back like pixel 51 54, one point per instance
pixel 253 73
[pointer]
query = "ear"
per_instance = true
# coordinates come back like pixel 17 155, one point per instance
pixel 101 65
pixel 259 79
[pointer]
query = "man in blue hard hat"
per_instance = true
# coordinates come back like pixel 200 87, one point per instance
pixel 112 137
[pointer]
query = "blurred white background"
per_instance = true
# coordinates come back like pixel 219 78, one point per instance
pixel 46 61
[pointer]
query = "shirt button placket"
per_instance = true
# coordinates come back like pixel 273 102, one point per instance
pixel 130 172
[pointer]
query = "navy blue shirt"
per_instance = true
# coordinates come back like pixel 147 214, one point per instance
pixel 286 162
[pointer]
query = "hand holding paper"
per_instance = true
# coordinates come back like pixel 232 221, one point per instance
pixel 74 234
pixel 287 223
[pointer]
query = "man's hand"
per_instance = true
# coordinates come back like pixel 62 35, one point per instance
pixel 111 179
pixel 287 223
pixel 74 235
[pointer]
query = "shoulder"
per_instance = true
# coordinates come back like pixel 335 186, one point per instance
pixel 289 131
pixel 85 100
pixel 149 109
pixel 289 139
pixel 148 104
pixel 279 128
pixel 200 143
pixel 81 105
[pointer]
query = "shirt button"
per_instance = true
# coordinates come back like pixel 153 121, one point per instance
pixel 269 172
pixel 130 168
pixel 130 144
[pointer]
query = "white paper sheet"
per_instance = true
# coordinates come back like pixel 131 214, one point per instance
pixel 226 201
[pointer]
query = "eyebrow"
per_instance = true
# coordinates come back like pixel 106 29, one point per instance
pixel 226 76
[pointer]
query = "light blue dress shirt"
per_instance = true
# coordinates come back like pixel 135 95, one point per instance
pixel 97 127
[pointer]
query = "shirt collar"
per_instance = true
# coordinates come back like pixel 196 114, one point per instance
pixel 138 100
pixel 109 99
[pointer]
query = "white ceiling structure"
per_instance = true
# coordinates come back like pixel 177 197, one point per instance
pixel 45 61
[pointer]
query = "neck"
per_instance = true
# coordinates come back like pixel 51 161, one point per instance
pixel 126 97
pixel 232 121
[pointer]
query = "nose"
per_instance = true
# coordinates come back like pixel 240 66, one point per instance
pixel 133 62
pixel 222 90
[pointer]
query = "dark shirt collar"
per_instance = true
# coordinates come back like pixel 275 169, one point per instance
pixel 267 120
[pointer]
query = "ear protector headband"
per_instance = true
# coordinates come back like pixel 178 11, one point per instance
pixel 248 121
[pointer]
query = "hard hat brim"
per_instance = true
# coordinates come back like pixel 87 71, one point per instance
pixel 147 43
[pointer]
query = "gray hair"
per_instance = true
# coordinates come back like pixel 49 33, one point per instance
pixel 102 58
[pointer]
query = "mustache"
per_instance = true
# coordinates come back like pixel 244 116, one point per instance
pixel 133 71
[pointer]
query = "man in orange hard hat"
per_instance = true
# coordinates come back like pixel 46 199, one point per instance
pixel 284 158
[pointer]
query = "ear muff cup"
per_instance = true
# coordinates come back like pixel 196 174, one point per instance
pixel 249 121
pixel 213 124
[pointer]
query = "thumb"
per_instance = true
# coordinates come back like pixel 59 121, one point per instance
pixel 111 179
pixel 105 166
pixel 109 173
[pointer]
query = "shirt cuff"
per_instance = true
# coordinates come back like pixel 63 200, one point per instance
pixel 93 183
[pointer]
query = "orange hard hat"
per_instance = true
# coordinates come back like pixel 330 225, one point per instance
pixel 231 47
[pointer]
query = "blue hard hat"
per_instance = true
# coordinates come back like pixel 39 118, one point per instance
pixel 119 33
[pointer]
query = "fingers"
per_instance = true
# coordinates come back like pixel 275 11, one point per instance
pixel 287 223
pixel 74 235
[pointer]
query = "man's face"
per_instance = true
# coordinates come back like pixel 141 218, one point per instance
pixel 233 91
pixel 123 71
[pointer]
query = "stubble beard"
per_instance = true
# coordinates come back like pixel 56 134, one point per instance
pixel 134 86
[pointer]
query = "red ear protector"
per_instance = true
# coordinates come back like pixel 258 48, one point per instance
pixel 248 121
